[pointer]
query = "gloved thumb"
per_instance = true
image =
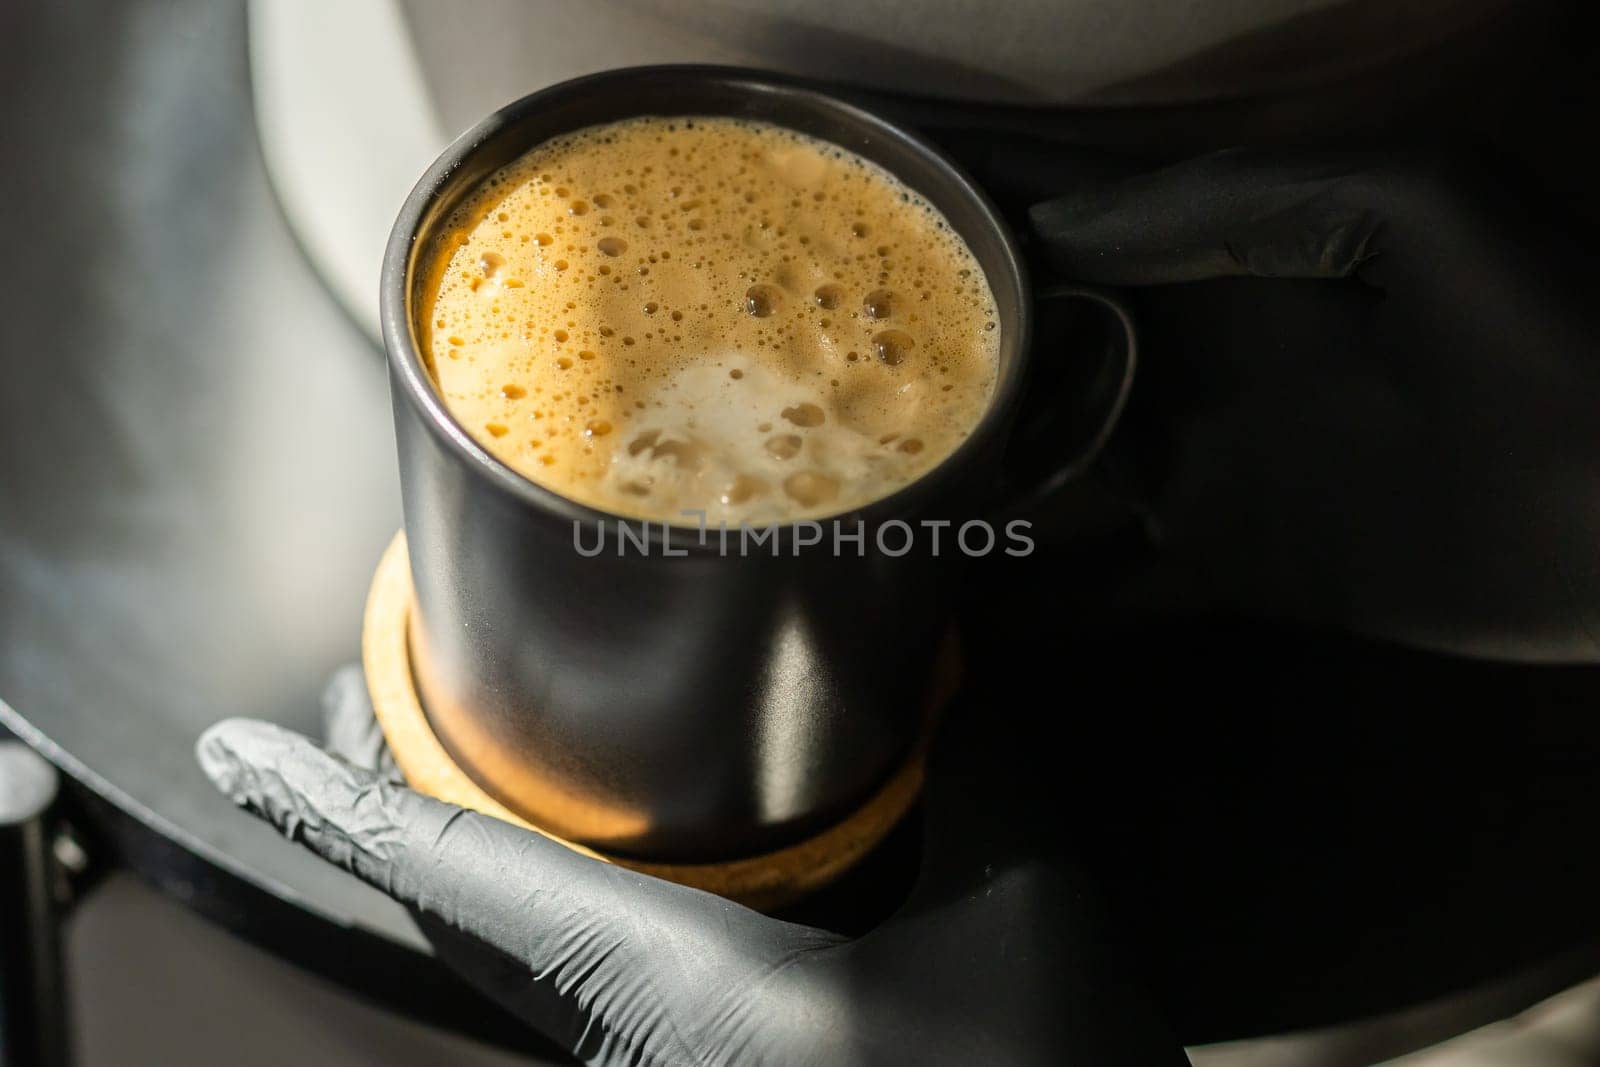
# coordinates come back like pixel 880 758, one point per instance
pixel 381 832
pixel 574 929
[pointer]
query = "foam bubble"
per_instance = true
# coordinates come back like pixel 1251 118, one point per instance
pixel 702 334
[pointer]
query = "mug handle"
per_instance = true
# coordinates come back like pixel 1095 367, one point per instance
pixel 1084 409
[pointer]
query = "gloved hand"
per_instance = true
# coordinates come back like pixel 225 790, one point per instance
pixel 999 955
pixel 1368 393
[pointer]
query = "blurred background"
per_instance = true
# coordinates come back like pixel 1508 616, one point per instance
pixel 197 194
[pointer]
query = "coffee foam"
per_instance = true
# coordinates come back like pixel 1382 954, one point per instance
pixel 662 315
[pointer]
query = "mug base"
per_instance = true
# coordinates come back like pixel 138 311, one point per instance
pixel 766 882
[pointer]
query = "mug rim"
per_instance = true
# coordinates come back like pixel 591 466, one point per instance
pixel 408 236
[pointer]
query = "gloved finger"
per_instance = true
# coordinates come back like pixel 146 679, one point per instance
pixel 350 730
pixel 1227 214
pixel 469 868
pixel 576 928
pixel 1018 172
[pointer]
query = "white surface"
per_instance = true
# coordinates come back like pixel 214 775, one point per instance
pixel 347 127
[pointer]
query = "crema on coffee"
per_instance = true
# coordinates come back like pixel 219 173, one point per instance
pixel 669 315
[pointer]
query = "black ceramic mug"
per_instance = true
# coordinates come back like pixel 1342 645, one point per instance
pixel 690 698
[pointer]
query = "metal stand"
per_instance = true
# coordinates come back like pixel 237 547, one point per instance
pixel 33 1028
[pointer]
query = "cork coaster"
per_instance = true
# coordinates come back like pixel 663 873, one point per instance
pixel 765 881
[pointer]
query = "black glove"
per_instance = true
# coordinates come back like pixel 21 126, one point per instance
pixel 999 955
pixel 1368 394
